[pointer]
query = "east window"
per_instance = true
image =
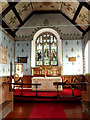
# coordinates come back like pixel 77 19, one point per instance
pixel 46 49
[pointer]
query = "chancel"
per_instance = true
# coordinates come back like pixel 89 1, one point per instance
pixel 44 59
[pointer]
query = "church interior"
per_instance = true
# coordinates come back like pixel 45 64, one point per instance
pixel 44 59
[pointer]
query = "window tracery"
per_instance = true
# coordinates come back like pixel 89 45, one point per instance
pixel 46 49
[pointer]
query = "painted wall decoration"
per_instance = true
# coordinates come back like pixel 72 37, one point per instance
pixel 24 9
pixel 83 18
pixel 23 49
pixel 3 55
pixel 7 43
pixel 69 8
pixel 11 20
pixel 46 5
pixel 3 5
pixel 72 48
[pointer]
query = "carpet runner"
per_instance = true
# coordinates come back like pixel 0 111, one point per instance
pixel 48 110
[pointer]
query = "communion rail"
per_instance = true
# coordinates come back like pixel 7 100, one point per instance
pixel 21 86
pixel 54 83
pixel 82 84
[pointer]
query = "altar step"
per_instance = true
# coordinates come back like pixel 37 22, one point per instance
pixel 48 98
pixel 5 108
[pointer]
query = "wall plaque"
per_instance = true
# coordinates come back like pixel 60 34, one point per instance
pixel 3 55
pixel 72 59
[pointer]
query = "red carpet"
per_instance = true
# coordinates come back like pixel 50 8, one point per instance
pixel 48 110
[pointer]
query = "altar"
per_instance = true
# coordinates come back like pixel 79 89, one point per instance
pixel 46 83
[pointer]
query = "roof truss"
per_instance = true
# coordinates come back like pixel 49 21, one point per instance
pixel 22 22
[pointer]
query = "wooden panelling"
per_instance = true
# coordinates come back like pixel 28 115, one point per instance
pixel 86 99
pixel 87 77
pixel 73 79
pixel 5 97
pixel 26 79
pixel 4 90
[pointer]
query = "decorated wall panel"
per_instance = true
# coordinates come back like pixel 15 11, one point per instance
pixel 83 18
pixel 46 5
pixel 69 8
pixel 3 5
pixel 11 20
pixel 7 44
pixel 24 9
pixel 72 57
pixel 23 49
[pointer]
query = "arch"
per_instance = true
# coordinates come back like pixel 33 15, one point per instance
pixel 33 45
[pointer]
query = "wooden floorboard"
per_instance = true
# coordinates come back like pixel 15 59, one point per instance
pixel 71 109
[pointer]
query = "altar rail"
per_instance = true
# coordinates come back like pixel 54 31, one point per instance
pixel 83 86
pixel 55 83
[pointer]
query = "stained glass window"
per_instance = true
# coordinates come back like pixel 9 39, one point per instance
pixel 46 49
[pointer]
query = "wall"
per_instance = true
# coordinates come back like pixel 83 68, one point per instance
pixel 49 20
pixel 23 49
pixel 72 48
pixel 66 31
pixel 8 43
pixel 86 52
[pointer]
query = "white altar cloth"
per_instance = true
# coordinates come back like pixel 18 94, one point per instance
pixel 46 83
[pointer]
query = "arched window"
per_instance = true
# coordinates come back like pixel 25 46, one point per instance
pixel 46 49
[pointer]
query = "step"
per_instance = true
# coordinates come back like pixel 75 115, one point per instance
pixel 5 108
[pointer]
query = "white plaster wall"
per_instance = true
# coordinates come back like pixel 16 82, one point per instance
pixel 57 20
pixel 8 43
pixel 23 49
pixel 33 45
pixel 87 58
pixel 69 67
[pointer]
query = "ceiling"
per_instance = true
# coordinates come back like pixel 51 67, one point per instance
pixel 15 14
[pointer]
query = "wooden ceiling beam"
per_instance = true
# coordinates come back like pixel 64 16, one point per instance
pixel 77 11
pixel 88 29
pixel 15 12
pixel 13 4
pixel 8 8
pixel 17 15
pixel 34 12
pixel 85 4
pixel 23 23
pixel 4 26
pixel 48 12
